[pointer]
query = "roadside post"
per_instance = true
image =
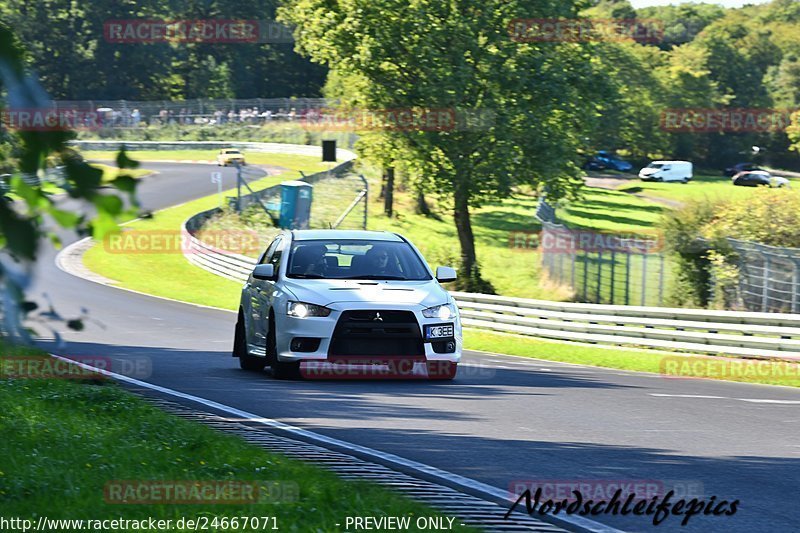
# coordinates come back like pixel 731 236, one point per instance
pixel 216 177
pixel 329 153
pixel 238 188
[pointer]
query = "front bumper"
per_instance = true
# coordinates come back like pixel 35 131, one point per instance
pixel 338 343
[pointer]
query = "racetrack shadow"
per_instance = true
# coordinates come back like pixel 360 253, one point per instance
pixel 216 373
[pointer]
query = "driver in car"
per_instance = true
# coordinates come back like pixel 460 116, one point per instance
pixel 380 263
pixel 309 260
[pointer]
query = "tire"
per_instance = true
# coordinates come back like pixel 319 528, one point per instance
pixel 685 180
pixel 246 361
pixel 280 369
pixel 442 370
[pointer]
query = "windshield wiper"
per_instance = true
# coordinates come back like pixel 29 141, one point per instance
pixel 307 276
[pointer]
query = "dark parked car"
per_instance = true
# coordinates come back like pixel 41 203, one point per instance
pixel 759 178
pixel 740 167
pixel 604 160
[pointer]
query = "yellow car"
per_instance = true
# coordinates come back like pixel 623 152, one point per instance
pixel 228 156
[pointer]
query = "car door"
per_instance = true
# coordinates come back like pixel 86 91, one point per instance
pixel 265 292
pixel 270 290
pixel 256 328
pixel 752 180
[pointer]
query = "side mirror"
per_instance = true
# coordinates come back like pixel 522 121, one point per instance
pixel 445 274
pixel 264 272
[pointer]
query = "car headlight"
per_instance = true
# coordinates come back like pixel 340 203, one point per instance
pixel 304 310
pixel 442 312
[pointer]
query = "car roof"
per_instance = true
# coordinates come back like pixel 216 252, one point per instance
pixel 670 162
pixel 337 234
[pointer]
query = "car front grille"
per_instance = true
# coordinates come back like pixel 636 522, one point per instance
pixel 376 334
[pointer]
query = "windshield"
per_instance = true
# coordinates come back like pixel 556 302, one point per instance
pixel 355 259
pixel 655 165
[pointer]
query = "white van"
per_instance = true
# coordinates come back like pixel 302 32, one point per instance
pixel 667 171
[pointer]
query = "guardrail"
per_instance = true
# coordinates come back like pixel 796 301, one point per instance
pixel 751 335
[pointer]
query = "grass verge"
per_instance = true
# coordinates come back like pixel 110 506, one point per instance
pixel 701 186
pixel 612 211
pixel 64 441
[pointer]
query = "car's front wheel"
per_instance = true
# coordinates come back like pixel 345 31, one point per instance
pixel 280 369
pixel 246 361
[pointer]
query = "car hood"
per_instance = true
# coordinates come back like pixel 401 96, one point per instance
pixel 331 291
pixel 646 171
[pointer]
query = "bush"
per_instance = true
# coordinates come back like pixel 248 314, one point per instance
pixel 767 216
pixel 683 230
pixel 707 265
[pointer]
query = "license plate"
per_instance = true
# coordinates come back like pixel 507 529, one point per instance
pixel 439 332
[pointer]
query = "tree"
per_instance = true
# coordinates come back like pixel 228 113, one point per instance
pixel 69 50
pixel 458 56
pixel 681 23
pixel 611 9
pixel 630 99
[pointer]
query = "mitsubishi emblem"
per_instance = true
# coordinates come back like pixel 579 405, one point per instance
pixel 377 318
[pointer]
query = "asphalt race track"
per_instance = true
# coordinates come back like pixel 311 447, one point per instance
pixel 504 419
